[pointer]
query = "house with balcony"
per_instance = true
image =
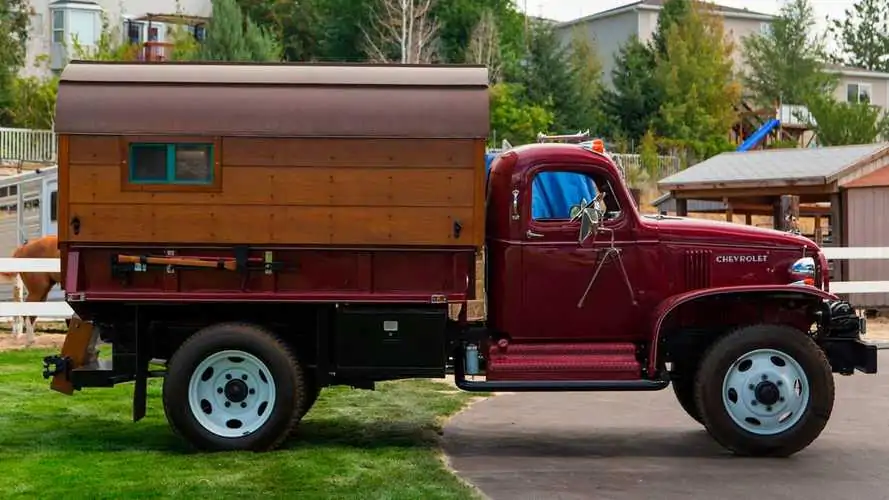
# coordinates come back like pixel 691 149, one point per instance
pixel 147 23
pixel 612 28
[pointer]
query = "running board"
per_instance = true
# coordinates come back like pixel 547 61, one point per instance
pixel 560 385
pixel 550 385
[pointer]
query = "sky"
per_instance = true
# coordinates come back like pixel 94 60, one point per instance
pixel 565 10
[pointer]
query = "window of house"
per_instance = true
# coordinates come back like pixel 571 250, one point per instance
pixel 765 28
pixel 58 26
pixel 557 195
pixel 81 20
pixel 134 31
pixel 181 163
pixel 858 92
pixel 54 206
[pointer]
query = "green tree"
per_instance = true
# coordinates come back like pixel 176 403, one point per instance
pixel 863 35
pixel 842 123
pixel 787 64
pixel 34 102
pixel 231 36
pixel 14 24
pixel 672 12
pixel 460 18
pixel 699 88
pixel 546 75
pixel 587 89
pixel 515 119
pixel 635 99
pixel 297 24
pixel 341 23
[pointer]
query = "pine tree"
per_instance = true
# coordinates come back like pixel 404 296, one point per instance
pixel 863 36
pixel 546 77
pixel 673 12
pixel 787 64
pixel 232 37
pixel 635 99
pixel 699 89
pixel 585 73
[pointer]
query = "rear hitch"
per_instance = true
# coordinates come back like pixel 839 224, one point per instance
pixel 58 364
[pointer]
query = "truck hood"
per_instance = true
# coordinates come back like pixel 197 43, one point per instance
pixel 690 230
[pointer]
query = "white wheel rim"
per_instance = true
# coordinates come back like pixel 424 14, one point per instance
pixel 765 392
pixel 231 393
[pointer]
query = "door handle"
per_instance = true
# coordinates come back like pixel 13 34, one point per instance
pixel 532 234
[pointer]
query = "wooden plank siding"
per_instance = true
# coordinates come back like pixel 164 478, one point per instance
pixel 294 191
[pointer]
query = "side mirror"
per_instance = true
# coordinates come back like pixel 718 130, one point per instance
pixel 590 218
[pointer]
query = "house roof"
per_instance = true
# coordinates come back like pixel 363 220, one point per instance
pixel 858 72
pixel 877 178
pixel 657 5
pixel 762 168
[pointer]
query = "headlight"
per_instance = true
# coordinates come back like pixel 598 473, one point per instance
pixel 802 272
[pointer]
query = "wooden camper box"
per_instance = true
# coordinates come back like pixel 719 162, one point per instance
pixel 296 154
pixel 322 157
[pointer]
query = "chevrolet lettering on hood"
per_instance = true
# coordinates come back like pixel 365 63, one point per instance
pixel 741 259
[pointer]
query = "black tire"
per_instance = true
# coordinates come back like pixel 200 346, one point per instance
pixel 721 356
pixel 683 383
pixel 284 372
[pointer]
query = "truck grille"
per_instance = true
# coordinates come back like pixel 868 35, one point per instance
pixel 697 269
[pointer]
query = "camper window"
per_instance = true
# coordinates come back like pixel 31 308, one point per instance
pixel 153 163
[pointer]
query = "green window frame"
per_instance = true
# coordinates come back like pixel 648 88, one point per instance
pixel 170 171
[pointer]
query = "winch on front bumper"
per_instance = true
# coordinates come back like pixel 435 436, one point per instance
pixel 839 334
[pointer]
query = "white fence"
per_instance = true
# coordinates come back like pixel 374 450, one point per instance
pixel 21 144
pixel 61 310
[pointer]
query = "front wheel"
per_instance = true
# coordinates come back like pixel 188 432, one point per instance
pixel 233 387
pixel 765 390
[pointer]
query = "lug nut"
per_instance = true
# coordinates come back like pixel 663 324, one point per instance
pixel 243 405
pixel 219 390
pixel 779 383
pixel 228 376
pixel 252 391
pixel 751 387
pixel 768 408
pixel 781 399
pixel 227 404
pixel 244 377
pixel 765 377
pixel 754 402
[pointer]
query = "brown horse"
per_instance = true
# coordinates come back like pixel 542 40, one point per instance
pixel 37 284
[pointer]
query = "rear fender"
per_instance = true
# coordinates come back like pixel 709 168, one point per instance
pixel 774 292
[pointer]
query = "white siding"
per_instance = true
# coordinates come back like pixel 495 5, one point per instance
pixel 608 34
pixel 41 31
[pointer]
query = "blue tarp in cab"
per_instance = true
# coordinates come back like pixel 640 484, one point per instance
pixel 553 193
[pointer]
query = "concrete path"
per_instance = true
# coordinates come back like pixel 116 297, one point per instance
pixel 607 446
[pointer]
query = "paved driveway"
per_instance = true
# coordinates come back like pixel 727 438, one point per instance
pixel 642 445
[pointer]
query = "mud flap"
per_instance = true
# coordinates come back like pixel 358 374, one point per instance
pixel 78 350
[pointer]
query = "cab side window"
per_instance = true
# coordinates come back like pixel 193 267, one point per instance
pixel 556 195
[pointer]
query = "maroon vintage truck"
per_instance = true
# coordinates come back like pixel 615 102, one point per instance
pixel 268 230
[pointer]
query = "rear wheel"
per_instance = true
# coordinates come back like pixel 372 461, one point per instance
pixel 765 390
pixel 233 387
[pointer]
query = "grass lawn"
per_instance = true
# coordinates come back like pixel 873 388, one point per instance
pixel 352 444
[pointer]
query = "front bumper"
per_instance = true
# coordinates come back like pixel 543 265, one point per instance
pixel 840 338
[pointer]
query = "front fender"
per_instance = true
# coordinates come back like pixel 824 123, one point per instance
pixel 667 306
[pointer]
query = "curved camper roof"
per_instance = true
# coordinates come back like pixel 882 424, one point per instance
pixel 273 100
